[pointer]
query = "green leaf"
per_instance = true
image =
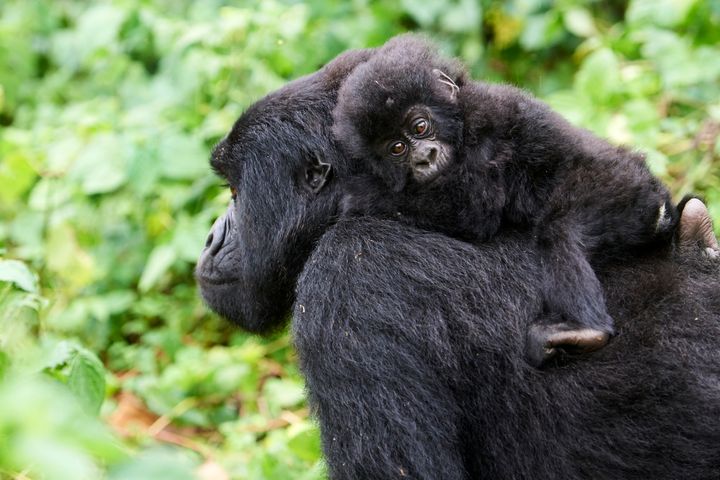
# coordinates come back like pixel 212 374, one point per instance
pixel 306 444
pixel 663 13
pixel 101 167
pixel 4 364
pixel 87 380
pixel 283 393
pixel 53 459
pixel 463 17
pixel 46 433
pixel 15 271
pixel 97 28
pixel 182 157
pixel 656 161
pixel 66 258
pixel 49 194
pixel 156 464
pixel 16 175
pixel 60 354
pixel 541 31
pixel 599 76
pixel 580 22
pixel 161 259
pixel 679 64
pixel 572 105
pixel 189 237
pixel 428 14
pixel 62 153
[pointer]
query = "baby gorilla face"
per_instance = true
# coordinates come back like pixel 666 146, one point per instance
pixel 417 146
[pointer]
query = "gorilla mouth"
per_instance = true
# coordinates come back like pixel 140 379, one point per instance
pixel 216 280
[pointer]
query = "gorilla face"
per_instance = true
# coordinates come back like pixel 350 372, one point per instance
pixel 255 250
pixel 417 147
pixel 276 160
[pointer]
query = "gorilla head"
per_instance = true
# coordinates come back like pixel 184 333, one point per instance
pixel 276 161
pixel 401 113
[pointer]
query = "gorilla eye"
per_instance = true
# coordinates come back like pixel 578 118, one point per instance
pixel 421 127
pixel 233 193
pixel 398 148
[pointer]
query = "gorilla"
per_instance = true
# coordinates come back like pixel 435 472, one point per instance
pixel 410 340
pixel 468 158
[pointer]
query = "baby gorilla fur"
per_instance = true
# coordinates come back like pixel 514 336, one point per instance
pixel 468 159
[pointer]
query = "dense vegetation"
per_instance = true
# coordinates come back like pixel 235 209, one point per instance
pixel 110 366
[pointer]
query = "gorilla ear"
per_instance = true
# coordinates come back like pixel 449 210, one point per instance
pixel 449 88
pixel 316 175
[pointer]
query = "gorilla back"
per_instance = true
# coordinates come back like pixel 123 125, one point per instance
pixel 413 366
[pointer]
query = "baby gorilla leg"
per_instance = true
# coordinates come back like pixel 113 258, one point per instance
pixel 547 338
pixel 575 318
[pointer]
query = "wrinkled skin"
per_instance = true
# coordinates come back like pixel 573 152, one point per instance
pixel 409 340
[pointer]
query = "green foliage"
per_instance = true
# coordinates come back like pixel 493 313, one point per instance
pixel 110 367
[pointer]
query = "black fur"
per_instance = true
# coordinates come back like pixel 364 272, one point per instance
pixel 410 345
pixel 409 340
pixel 515 164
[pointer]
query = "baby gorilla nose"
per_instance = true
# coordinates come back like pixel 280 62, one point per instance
pixel 432 154
pixel 425 158
pixel 427 161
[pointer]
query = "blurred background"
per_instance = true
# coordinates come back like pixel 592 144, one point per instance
pixel 110 366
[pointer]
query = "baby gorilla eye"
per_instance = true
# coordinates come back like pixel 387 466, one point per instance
pixel 397 148
pixel 420 127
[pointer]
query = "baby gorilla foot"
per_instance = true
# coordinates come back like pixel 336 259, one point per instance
pixel 545 341
pixel 696 229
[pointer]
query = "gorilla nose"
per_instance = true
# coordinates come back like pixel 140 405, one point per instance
pixel 216 239
pixel 426 158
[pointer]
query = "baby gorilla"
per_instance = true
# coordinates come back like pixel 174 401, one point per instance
pixel 468 158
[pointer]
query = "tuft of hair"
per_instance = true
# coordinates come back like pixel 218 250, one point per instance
pixel 408 70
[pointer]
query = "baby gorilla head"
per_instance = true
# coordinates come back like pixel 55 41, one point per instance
pixel 417 148
pixel 400 112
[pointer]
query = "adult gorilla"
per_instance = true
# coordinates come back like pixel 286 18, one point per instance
pixel 411 342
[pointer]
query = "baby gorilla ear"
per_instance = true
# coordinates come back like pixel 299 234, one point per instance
pixel 449 88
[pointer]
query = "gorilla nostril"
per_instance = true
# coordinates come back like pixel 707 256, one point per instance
pixel 426 158
pixel 216 239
